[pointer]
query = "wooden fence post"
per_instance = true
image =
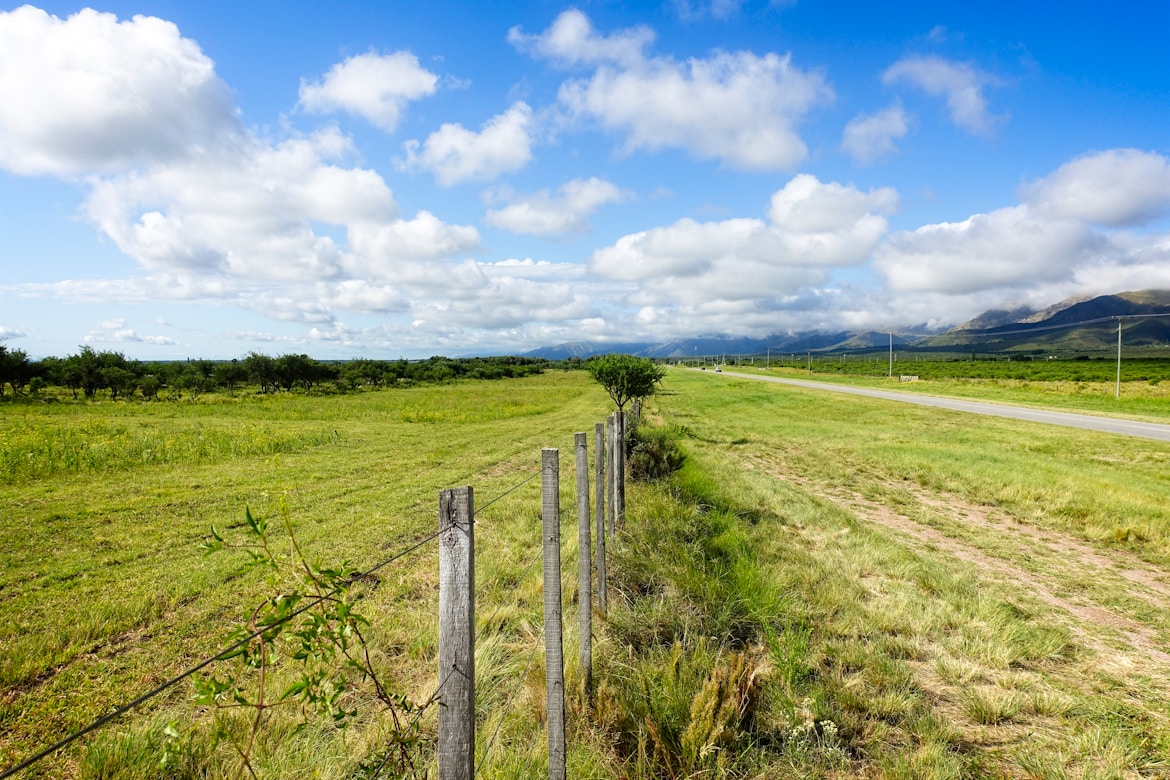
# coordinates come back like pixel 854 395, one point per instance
pixel 554 659
pixel 620 477
pixel 599 488
pixel 584 565
pixel 611 463
pixel 456 634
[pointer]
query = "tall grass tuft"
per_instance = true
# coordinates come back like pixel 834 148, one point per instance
pixel 684 674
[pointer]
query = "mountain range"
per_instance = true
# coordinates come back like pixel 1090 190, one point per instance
pixel 1080 324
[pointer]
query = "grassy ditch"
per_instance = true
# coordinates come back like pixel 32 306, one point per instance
pixel 700 644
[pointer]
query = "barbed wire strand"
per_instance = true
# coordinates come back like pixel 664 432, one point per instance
pixel 429 538
pixel 478 636
pixel 508 707
pixel 46 752
pixel 510 490
pixel 531 563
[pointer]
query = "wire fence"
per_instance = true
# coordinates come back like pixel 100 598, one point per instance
pixel 226 652
pixel 234 648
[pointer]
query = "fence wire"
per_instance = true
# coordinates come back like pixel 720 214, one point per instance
pixel 509 491
pixel 45 753
pixel 117 713
pixel 508 707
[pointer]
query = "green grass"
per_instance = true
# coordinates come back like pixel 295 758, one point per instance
pixel 105 592
pixel 763 621
pixel 1105 488
pixel 928 665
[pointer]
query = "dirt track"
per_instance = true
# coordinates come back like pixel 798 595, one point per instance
pixel 1046 566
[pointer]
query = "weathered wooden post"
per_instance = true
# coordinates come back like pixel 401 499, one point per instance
pixel 456 635
pixel 599 478
pixel 620 475
pixel 611 469
pixel 584 566
pixel 554 659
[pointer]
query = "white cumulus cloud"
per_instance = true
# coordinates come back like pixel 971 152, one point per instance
pixel 736 107
pixel 374 86
pixel 1000 249
pixel 545 214
pixel 379 248
pixel 1117 187
pixel 811 228
pixel 572 40
pixel 92 94
pixel 870 137
pixel 961 84
pixel 1062 239
pixel 115 331
pixel 455 154
pixel 242 212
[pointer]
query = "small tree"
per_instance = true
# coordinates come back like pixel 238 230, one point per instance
pixel 626 377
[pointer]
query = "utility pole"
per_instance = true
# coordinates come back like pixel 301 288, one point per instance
pixel 891 354
pixel 1119 358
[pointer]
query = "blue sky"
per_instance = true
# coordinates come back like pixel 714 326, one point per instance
pixel 393 179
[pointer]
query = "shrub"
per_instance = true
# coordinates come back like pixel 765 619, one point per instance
pixel 652 453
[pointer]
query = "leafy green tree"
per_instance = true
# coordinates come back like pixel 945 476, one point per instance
pixel 292 370
pixel 262 369
pixel 120 381
pixel 14 369
pixel 150 385
pixel 626 377
pixel 229 374
pixel 84 370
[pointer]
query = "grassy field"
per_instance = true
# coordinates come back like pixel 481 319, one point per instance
pixel 103 507
pixel 832 587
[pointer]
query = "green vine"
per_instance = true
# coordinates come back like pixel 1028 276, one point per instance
pixel 308 620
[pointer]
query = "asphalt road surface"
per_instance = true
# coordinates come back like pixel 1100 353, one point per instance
pixel 1144 430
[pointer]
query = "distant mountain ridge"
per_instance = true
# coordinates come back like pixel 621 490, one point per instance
pixel 1009 329
pixel 707 346
pixel 1041 330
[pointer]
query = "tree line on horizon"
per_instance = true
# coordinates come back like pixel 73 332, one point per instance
pixel 90 372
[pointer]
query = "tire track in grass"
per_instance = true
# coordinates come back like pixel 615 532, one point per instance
pixel 1137 637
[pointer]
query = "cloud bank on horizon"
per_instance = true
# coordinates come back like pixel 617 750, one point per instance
pixel 632 179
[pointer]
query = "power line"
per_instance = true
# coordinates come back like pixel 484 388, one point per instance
pixel 1039 328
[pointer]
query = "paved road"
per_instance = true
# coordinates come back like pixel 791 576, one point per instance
pixel 1142 430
